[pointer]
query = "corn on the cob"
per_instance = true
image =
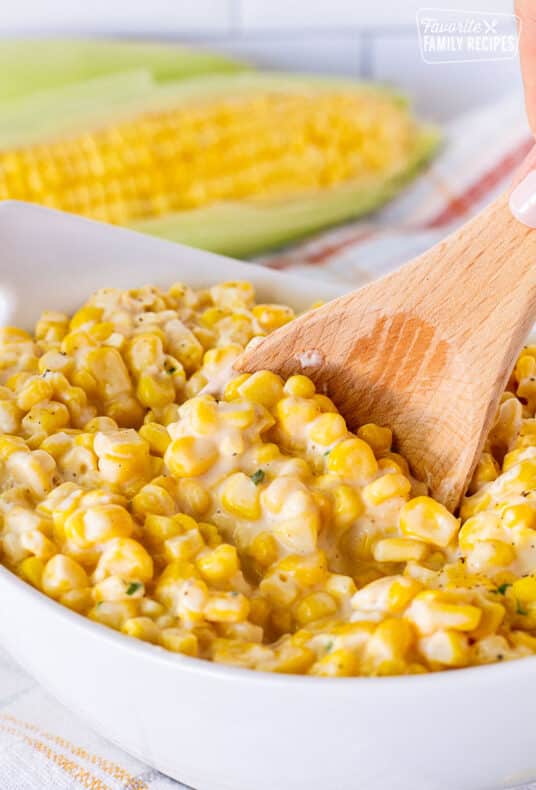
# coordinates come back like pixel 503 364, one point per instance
pixel 185 161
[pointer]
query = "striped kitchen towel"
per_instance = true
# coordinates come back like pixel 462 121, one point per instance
pixel 45 747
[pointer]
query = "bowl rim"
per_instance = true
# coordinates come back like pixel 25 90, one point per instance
pixel 221 671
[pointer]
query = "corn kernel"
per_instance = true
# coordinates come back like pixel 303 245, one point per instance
pixel 219 565
pixel 429 521
pixel 190 457
pixel 399 550
pixel 386 487
pixel 263 387
pixel 240 496
pixel 339 663
pixel 142 628
pixel 314 607
pixel 430 612
pixel 352 459
pixel 327 429
pixel 378 437
pixel 299 386
pixel 232 607
pixel 179 641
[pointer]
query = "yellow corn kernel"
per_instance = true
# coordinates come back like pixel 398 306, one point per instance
pixel 430 611
pixel 492 617
pixel 399 550
pixel 293 413
pixel 86 315
pixel 378 437
pixel 524 590
pixel 272 316
pixel 145 350
pixel 10 416
pixel 299 387
pixel 352 459
pixel 313 607
pixel 192 497
pixel 159 528
pixel 486 553
pixel 486 471
pixel 476 529
pixel 386 487
pixel 153 499
pixel 340 587
pixel 347 506
pixel 156 437
pixel 154 393
pixel 62 574
pixel 306 570
pixel 179 640
pixel 203 415
pixel 264 453
pixel 240 415
pixel 78 600
pixel 31 570
pixel 220 565
pixel 445 648
pixel 386 650
pixel 113 613
pixel 289 659
pixel 226 607
pixel 521 515
pixel 328 429
pixel 264 549
pixel 190 456
pixel 142 628
pixel 183 547
pixel 210 534
pixel 387 594
pixel 98 524
pixel 240 496
pixel 339 663
pixel 106 365
pixel 124 557
pixel 46 418
pixel 428 520
pixel 231 392
pixel 34 390
pixel 263 387
pixel 325 404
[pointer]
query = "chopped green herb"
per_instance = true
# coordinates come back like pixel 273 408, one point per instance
pixel 520 609
pixel 327 453
pixel 133 587
pixel 329 646
pixel 171 371
pixel 258 476
pixel 234 593
pixel 501 589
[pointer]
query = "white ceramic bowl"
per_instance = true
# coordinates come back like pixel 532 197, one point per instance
pixel 219 728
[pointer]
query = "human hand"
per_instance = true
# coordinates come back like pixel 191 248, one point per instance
pixel 526 11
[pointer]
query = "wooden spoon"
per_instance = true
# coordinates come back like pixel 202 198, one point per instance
pixel 426 350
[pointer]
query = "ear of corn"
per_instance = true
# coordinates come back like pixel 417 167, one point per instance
pixel 232 163
pixel 30 66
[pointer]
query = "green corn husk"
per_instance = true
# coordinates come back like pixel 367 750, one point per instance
pixel 32 66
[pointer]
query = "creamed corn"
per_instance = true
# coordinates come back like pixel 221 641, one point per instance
pixel 235 517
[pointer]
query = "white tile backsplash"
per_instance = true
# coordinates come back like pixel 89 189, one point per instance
pixel 115 16
pixel 441 90
pixel 329 54
pixel 306 14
